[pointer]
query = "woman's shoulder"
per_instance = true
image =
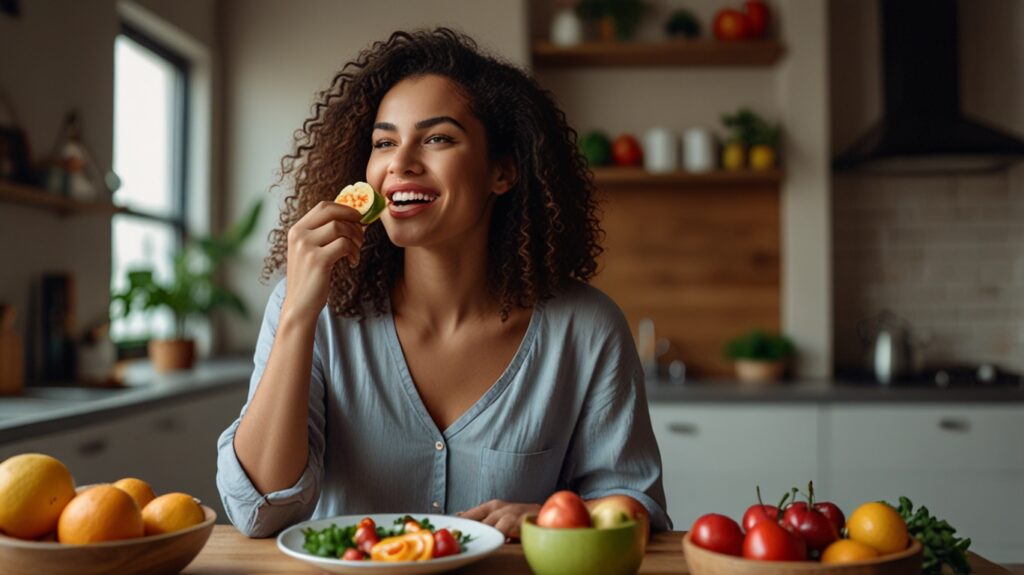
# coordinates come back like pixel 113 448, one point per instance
pixel 585 306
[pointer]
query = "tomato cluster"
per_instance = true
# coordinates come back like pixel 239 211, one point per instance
pixel 794 532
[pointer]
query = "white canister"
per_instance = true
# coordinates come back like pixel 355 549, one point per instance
pixel 698 150
pixel 661 150
pixel 566 28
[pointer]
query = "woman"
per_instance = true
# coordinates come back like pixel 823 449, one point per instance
pixel 458 363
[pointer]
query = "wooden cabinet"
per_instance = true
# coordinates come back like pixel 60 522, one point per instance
pixel 966 464
pixel 172 446
pixel 715 455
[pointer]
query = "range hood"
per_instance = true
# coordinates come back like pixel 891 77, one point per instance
pixel 923 128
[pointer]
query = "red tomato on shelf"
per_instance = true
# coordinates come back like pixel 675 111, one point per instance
pixel 731 25
pixel 758 17
pixel 626 151
pixel 717 533
pixel 563 509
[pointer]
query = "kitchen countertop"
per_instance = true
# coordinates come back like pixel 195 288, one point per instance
pixel 229 552
pixel 41 410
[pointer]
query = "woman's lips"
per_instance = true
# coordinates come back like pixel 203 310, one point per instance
pixel 407 211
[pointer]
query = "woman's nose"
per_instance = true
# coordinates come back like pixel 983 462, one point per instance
pixel 405 160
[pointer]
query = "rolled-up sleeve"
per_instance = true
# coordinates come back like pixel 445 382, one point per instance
pixel 614 450
pixel 257 514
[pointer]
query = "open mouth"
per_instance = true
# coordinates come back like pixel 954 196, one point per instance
pixel 402 199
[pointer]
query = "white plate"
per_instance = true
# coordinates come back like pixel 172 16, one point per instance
pixel 486 540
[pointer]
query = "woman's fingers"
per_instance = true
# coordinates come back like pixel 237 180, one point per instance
pixel 324 212
pixel 341 248
pixel 332 230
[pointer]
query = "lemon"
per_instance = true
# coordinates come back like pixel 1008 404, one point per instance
pixel 847 551
pixel 879 526
pixel 34 488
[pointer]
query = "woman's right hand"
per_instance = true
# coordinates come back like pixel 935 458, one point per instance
pixel 327 233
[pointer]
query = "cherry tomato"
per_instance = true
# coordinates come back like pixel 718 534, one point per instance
pixel 758 17
pixel 564 509
pixel 815 529
pixel 626 151
pixel 731 24
pixel 366 535
pixel 769 541
pixel 757 513
pixel 717 533
pixel 832 512
pixel 445 544
pixel 353 554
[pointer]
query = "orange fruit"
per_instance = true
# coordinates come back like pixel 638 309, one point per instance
pixel 140 491
pixel 34 488
pixel 847 551
pixel 100 513
pixel 879 526
pixel 172 512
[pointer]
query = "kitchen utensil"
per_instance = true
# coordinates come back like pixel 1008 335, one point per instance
pixel 152 555
pixel 889 348
pixel 661 150
pixel 698 151
pixel 701 561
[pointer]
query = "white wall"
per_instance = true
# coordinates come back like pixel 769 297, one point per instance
pixel 277 56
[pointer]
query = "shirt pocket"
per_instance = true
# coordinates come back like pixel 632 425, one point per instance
pixel 518 477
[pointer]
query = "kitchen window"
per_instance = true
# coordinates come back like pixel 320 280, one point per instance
pixel 150 123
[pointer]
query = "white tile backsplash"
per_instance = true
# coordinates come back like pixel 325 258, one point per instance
pixel 946 253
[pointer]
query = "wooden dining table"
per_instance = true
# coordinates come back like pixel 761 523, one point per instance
pixel 228 552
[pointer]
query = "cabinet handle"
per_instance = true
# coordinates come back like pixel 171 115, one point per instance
pixel 955 425
pixel 93 447
pixel 683 428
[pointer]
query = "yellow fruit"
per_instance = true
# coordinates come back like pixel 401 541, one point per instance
pixel 34 488
pixel 847 551
pixel 140 491
pixel 879 526
pixel 172 512
pixel 762 157
pixel 734 156
pixel 100 513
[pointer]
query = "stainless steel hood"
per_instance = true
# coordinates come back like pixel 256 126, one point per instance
pixel 923 128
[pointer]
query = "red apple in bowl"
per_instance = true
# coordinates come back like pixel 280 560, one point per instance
pixel 563 509
pixel 609 511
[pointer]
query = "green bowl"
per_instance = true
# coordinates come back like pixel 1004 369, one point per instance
pixel 584 551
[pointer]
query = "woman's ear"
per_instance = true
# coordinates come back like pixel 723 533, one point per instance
pixel 503 176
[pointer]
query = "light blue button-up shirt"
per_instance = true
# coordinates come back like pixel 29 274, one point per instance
pixel 569 412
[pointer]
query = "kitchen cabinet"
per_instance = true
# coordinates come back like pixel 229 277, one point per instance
pixel 714 456
pixel 966 464
pixel 171 445
pixel 690 53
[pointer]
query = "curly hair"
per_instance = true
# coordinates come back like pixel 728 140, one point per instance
pixel 544 230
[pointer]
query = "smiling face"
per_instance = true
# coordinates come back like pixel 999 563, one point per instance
pixel 430 160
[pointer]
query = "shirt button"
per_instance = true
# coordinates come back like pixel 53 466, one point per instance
pixel 436 505
pixel 439 446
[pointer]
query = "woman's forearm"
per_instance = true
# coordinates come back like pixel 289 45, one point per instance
pixel 272 440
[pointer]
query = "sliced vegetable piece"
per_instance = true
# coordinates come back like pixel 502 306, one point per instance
pixel 416 546
pixel 364 199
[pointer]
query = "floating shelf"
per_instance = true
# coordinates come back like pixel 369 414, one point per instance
pixel 698 53
pixel 606 177
pixel 35 197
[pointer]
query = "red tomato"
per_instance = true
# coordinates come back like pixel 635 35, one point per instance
pixel 717 533
pixel 445 543
pixel 563 509
pixel 626 151
pixel 757 513
pixel 832 512
pixel 353 554
pixel 366 535
pixel 758 17
pixel 769 541
pixel 815 529
pixel 731 25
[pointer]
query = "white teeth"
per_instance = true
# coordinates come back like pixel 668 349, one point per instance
pixel 412 197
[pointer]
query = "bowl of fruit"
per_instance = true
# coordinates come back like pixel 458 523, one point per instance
pixel 47 526
pixel 804 537
pixel 569 536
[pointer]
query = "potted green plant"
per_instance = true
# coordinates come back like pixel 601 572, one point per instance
pixel 760 356
pixel 618 19
pixel 749 133
pixel 193 293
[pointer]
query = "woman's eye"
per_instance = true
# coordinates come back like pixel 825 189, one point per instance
pixel 439 139
pixel 382 144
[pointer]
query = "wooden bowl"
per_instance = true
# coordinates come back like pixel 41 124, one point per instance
pixel 154 555
pixel 700 561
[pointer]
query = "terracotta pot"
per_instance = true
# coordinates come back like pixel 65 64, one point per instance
pixel 759 372
pixel 172 354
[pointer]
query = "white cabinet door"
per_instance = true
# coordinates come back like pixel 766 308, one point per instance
pixel 715 455
pixel 966 464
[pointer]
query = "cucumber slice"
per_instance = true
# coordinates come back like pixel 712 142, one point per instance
pixel 364 199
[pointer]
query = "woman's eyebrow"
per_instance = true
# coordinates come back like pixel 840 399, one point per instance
pixel 422 124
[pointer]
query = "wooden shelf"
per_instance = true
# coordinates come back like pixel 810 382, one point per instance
pixel 31 196
pixel 699 53
pixel 614 177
